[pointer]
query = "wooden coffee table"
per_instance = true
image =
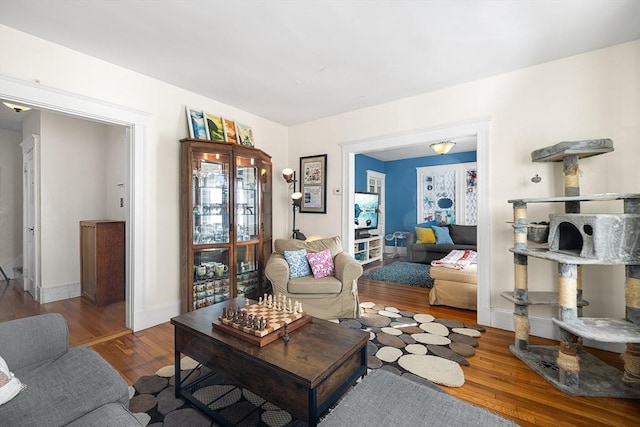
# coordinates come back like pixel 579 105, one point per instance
pixel 304 376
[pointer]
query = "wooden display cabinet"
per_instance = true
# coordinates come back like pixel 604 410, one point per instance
pixel 225 222
pixel 102 261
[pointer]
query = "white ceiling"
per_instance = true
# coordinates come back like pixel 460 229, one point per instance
pixel 296 61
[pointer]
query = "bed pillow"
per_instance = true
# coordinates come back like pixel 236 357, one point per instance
pixel 425 235
pixel 442 235
pixel 321 263
pixel 298 264
pixel 10 386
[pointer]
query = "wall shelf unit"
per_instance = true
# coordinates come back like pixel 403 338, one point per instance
pixel 577 239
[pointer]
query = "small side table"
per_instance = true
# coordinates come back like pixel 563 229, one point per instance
pixel 398 235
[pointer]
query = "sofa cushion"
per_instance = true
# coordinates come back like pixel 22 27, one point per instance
pixel 463 234
pixel 425 235
pixel 321 263
pixel 112 414
pixel 442 236
pixel 467 275
pixel 298 263
pixel 64 389
pixel 10 385
pixel 334 244
pixel 311 285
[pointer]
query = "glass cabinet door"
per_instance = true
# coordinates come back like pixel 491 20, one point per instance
pixel 246 199
pixel 210 198
pixel 266 210
pixel 247 271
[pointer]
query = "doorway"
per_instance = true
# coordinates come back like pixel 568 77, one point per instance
pixel 480 129
pixel 44 98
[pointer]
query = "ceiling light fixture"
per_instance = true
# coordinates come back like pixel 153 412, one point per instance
pixel 442 147
pixel 17 108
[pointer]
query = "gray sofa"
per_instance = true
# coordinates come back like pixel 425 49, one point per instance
pixel 464 237
pixel 64 386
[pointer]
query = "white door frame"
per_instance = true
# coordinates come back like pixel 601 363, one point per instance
pixel 381 177
pixel 47 98
pixel 481 129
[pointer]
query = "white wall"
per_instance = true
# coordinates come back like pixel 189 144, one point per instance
pixel 593 95
pixel 29 58
pixel 72 182
pixel 10 201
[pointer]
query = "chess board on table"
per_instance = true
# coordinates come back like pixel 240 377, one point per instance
pixel 277 320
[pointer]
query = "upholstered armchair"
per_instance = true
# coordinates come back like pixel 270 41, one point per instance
pixel 330 297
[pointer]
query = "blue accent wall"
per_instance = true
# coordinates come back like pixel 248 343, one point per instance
pixel 364 163
pixel 401 185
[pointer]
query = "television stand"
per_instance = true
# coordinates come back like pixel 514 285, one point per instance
pixel 363 235
pixel 367 249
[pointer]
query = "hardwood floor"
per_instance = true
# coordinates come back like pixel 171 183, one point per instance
pixel 496 379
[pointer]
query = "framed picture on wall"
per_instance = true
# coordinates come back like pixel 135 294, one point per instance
pixel 313 184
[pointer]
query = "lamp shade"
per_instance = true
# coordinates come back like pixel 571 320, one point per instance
pixel 442 147
pixel 287 174
pixel 296 198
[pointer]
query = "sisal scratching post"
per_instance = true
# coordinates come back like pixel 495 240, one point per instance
pixel 571 182
pixel 520 291
pixel 631 356
pixel 568 362
pixel 520 311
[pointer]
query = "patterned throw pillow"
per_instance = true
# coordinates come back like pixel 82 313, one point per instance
pixel 10 386
pixel 298 264
pixel 321 263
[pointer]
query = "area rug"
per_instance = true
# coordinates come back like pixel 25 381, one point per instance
pixel 406 273
pixel 417 346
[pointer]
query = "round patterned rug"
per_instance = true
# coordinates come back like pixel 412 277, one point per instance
pixel 418 346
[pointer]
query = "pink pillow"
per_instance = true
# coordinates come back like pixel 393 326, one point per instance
pixel 321 263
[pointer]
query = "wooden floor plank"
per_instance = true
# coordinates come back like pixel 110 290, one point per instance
pixel 496 379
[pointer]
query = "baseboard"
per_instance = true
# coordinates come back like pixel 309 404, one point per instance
pixel 58 292
pixel 543 327
pixel 152 316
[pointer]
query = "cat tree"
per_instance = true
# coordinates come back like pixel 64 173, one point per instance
pixel 577 239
